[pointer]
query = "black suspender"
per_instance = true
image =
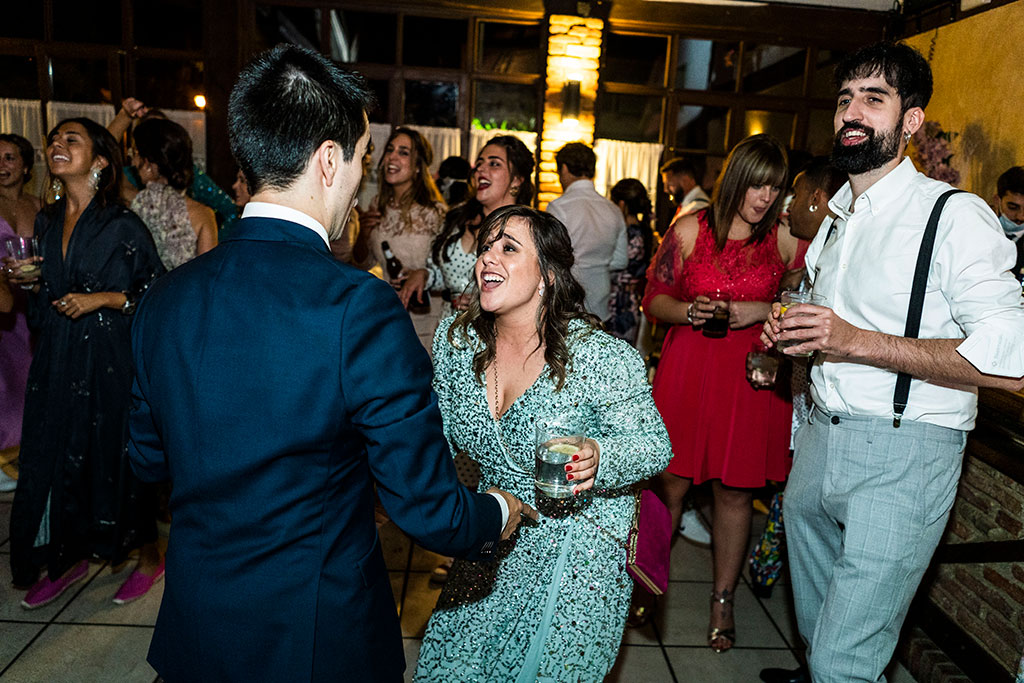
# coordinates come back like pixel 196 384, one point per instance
pixel 924 262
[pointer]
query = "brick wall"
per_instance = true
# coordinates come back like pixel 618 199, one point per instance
pixel 986 600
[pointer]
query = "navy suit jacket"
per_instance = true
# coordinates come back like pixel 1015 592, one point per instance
pixel 274 386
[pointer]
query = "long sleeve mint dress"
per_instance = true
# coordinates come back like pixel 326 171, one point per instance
pixel 552 607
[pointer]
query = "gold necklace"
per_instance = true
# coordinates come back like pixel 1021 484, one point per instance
pixel 497 406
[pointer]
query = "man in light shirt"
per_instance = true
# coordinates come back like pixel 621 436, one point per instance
pixel 679 177
pixel 869 494
pixel 596 226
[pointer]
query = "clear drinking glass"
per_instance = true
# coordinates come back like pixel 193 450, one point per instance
pixel 17 249
pixel 557 439
pixel 791 298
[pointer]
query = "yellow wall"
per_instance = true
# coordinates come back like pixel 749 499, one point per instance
pixel 979 92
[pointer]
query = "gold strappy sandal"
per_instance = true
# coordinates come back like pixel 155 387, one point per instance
pixel 717 634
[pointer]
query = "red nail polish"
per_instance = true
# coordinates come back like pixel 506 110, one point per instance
pixel 568 476
pixel 575 491
pixel 575 457
pixel 568 468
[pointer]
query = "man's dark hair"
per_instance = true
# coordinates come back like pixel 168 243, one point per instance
pixel 287 102
pixel 455 167
pixel 1011 181
pixel 900 65
pixel 578 158
pixel 820 172
pixel 680 166
pixel 25 151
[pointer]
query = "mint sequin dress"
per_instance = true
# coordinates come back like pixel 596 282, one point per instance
pixel 553 606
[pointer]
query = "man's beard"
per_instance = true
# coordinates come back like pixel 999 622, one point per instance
pixel 875 152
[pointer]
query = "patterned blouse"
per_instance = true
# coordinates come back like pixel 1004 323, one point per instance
pixel 163 210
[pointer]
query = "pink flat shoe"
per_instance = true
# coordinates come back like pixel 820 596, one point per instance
pixel 45 591
pixel 137 585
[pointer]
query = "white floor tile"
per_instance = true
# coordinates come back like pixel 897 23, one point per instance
pixel 739 665
pixel 683 618
pixel 780 607
pixel 637 664
pixel 15 637
pixel 86 654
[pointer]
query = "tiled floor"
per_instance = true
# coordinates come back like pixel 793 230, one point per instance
pixel 84 637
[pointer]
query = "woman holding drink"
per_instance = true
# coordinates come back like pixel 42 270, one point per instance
pixel 401 224
pixel 723 263
pixel 77 497
pixel 524 370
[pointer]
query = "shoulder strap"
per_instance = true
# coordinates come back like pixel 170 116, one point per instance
pixel 924 263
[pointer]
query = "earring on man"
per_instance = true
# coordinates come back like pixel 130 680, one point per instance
pixel 906 137
pixel 812 208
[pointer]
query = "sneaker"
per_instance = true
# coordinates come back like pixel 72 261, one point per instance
pixel 137 585
pixel 693 530
pixel 45 591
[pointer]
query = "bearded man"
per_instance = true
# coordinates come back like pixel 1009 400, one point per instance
pixel 874 475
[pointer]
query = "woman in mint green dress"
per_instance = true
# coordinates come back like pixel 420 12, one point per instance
pixel 553 606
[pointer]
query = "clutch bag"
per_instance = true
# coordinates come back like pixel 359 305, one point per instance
pixel 649 543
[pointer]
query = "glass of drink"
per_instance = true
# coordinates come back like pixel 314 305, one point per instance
pixel 21 252
pixel 717 326
pixel 791 298
pixel 557 439
pixel 762 366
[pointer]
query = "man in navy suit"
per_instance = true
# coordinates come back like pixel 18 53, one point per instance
pixel 275 386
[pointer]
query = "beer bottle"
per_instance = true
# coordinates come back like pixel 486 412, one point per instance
pixel 391 262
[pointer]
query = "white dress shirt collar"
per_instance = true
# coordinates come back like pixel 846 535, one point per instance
pixel 285 213
pixel 887 189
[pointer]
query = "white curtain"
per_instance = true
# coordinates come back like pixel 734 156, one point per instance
pixel 479 137
pixel 617 160
pixel 25 118
pixel 195 123
pixel 446 142
pixel 58 111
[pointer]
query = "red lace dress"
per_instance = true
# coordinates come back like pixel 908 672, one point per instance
pixel 720 427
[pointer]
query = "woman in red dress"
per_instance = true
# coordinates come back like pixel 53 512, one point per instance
pixel 732 255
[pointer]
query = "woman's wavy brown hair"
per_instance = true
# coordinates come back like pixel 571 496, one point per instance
pixel 561 303
pixel 424 190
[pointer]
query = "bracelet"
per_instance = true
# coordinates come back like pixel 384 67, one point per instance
pixel 689 314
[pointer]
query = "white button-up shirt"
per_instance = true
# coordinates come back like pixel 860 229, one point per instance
pixel 598 233
pixel 864 269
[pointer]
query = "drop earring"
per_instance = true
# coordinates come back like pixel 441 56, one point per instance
pixel 94 180
pixel 514 190
pixel 540 289
pixel 57 188
pixel 906 137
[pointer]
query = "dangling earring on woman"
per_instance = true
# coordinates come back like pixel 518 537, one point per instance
pixel 94 179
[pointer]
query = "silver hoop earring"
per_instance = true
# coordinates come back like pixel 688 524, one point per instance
pixel 94 180
pixel 812 208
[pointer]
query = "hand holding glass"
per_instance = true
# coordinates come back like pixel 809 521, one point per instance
pixel 22 262
pixel 791 299
pixel 557 440
pixel 717 326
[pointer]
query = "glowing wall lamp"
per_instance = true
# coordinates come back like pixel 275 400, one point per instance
pixel 571 101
